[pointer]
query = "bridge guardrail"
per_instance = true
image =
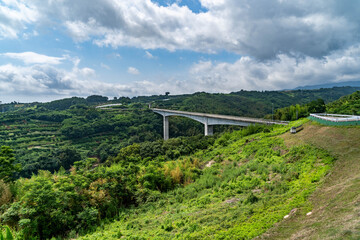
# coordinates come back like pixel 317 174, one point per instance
pixel 335 117
pixel 227 117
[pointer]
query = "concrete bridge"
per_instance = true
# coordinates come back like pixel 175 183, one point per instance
pixel 209 120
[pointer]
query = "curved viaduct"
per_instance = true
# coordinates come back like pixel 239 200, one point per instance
pixel 209 120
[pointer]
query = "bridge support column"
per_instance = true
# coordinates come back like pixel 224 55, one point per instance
pixel 209 130
pixel 166 127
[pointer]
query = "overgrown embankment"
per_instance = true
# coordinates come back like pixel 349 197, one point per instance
pixel 246 185
pixel 336 204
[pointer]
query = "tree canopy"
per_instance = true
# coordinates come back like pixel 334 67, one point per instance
pixel 7 167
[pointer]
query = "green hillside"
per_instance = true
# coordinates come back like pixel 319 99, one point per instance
pixel 246 103
pixel 336 203
pixel 226 203
pixel 107 174
pixel 50 139
pixel 48 136
pixel 246 185
pixel 349 104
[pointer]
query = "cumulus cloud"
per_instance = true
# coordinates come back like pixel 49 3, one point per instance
pixel 15 16
pixel 281 73
pixel 246 73
pixel 133 71
pixel 33 58
pixel 283 43
pixel 262 29
pixel 45 80
pixel 40 82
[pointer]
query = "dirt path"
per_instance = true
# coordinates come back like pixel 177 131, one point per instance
pixel 336 204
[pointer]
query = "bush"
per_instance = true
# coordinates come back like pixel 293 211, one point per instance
pixel 5 193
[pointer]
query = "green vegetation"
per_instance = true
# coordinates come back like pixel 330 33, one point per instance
pixel 107 173
pixel 56 204
pixel 42 133
pixel 335 205
pixel 248 177
pixel 45 135
pixel 5 233
pixel 246 103
pixel 297 111
pixel 46 139
pixel 7 167
pixel 349 104
pixel 245 185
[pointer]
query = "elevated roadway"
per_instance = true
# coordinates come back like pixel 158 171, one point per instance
pixel 209 120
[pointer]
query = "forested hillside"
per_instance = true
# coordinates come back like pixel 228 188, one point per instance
pixel 71 168
pixel 349 104
pixel 249 103
pixel 52 135
pixel 248 177
pixel 245 185
pixel 50 139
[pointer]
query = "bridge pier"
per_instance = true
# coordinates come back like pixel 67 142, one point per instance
pixel 166 127
pixel 209 129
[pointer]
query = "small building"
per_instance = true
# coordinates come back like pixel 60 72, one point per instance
pixel 294 130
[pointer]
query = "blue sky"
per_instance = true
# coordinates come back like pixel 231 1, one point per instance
pixel 56 49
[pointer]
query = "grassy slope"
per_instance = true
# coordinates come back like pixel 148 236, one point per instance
pixel 221 203
pixel 336 205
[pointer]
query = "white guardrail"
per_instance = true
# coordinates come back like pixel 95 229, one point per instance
pixel 109 105
pixel 336 117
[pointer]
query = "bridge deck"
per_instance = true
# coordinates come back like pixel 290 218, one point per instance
pixel 224 117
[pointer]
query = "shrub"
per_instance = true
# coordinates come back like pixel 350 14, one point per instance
pixel 5 193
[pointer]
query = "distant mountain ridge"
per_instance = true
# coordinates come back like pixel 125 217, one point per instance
pixel 329 85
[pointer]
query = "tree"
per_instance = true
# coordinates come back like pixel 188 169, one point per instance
pixel 317 106
pixel 67 156
pixel 96 99
pixel 7 167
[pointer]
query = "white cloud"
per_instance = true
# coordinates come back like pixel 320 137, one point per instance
pixel 44 81
pixel 133 71
pixel 283 43
pixel 149 55
pixel 15 16
pixel 262 29
pixel 40 80
pixel 33 58
pixel 281 73
pixel 105 66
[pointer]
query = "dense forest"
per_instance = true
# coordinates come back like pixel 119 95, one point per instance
pixel 69 167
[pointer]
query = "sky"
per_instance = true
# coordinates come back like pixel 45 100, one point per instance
pixel 52 49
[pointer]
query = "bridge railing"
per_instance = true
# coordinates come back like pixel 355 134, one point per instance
pixel 218 116
pixel 335 117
